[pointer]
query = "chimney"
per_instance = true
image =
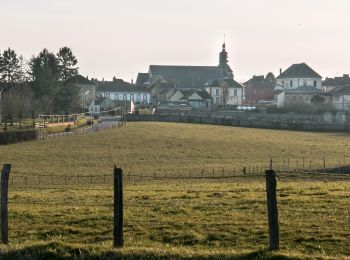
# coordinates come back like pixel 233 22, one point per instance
pixel 280 71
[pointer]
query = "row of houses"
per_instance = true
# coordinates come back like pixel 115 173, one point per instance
pixel 209 88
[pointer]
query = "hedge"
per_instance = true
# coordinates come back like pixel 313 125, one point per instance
pixel 15 136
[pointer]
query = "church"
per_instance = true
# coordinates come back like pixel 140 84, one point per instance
pixel 218 81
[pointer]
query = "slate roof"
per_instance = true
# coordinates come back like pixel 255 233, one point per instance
pixel 186 76
pixel 260 82
pixel 79 80
pixel 203 94
pixel 304 89
pixel 231 83
pixel 337 81
pixel 119 86
pixel 141 78
pixel 301 70
pixel 340 90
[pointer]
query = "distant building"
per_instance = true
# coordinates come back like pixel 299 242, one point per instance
pixel 298 75
pixel 119 90
pixel 164 80
pixel 293 97
pixel 259 88
pixel 199 99
pixel 87 89
pixel 340 98
pixel 338 82
pixel 225 91
pixel 297 85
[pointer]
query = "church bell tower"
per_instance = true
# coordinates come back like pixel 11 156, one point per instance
pixel 223 63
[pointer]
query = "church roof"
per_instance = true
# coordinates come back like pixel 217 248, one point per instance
pixel 141 78
pixel 301 70
pixel 186 76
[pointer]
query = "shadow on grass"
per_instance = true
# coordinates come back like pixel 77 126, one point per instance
pixel 56 250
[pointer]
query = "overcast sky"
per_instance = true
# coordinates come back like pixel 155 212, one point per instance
pixel 123 37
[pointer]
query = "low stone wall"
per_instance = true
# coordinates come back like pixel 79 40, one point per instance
pixel 256 122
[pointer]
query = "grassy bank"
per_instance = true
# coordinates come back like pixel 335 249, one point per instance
pixel 202 219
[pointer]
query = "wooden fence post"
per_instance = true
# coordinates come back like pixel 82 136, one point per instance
pixel 271 184
pixel 4 200
pixel 118 207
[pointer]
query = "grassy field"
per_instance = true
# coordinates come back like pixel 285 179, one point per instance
pixel 203 219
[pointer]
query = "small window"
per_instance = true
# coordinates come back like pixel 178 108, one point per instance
pixel 144 97
pixel 291 83
pixel 305 83
pixel 282 83
pixel 108 95
pixel 217 92
pixel 235 92
pixel 138 97
pixel 131 96
pixel 315 83
pixel 124 97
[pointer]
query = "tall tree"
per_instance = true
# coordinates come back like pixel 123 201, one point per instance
pixel 67 64
pixel 9 67
pixel 44 71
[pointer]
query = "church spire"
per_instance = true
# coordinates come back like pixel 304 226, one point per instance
pixel 223 55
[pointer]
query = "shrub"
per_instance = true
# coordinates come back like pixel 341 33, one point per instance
pixel 15 136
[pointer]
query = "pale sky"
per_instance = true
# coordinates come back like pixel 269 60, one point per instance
pixel 123 37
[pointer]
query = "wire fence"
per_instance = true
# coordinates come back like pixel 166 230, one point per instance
pixel 83 130
pixel 158 202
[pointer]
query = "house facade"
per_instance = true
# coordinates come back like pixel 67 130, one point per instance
pixel 119 90
pixel 341 98
pixel 297 85
pixel 294 97
pixel 225 91
pixel 259 88
pixel 337 82
pixel 298 75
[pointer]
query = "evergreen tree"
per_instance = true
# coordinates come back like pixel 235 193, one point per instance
pixel 9 67
pixel 44 71
pixel 67 64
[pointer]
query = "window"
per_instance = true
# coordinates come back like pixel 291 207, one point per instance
pixel 217 92
pixel 131 96
pixel 144 97
pixel 235 92
pixel 120 96
pixel 291 83
pixel 138 97
pixel 282 83
pixel 315 83
pixel 305 82
pixel 217 100
pixel 116 96
pixel 108 95
pixel 124 97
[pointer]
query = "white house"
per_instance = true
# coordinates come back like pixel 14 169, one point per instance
pixel 225 91
pixel 297 85
pixel 298 75
pixel 122 91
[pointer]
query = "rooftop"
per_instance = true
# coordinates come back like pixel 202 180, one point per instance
pixel 301 70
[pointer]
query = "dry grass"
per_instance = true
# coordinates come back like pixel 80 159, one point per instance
pixel 201 219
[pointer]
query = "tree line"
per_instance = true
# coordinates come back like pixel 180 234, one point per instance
pixel 37 85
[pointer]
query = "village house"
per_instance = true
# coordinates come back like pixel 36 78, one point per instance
pixel 259 89
pixel 297 85
pixel 119 90
pixel 199 99
pixel 337 82
pixel 225 91
pixel 340 98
